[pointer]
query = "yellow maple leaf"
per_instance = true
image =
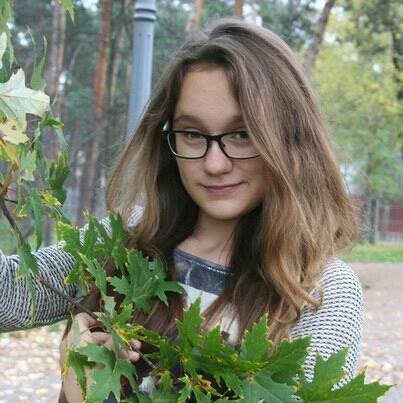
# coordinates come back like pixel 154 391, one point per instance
pixel 12 133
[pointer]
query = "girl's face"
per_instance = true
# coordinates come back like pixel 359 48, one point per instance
pixel 223 188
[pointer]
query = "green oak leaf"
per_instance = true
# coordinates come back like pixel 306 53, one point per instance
pixel 288 358
pixel 78 362
pixel 27 262
pixel 213 342
pixel 189 326
pixel 58 172
pixel 164 392
pixel 262 388
pixel 119 237
pixel 97 271
pixel 355 391
pixel 69 234
pixel 90 238
pixel 168 356
pixel 28 166
pixel 186 391
pixel 35 206
pixel 142 282
pixel 26 266
pixel 37 81
pixel 138 286
pixel 201 397
pixel 255 344
pixel 327 373
pixel 107 374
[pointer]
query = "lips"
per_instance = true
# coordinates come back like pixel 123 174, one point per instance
pixel 222 189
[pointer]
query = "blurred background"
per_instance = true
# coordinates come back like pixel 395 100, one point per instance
pixel 353 52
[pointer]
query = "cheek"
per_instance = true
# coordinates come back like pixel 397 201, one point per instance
pixel 255 170
pixel 258 176
pixel 186 172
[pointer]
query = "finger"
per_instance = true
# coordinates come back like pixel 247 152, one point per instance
pixel 136 344
pixel 85 321
pixel 102 338
pixel 129 355
pixel 133 356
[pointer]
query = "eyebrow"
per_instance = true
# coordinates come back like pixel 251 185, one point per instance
pixel 186 118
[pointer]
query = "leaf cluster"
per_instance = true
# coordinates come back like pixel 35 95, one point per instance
pixel 197 364
pixel 28 180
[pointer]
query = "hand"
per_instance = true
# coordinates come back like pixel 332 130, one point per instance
pixel 85 323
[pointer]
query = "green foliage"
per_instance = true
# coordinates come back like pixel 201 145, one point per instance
pixel 293 21
pixel 380 252
pixel 327 374
pixel 21 157
pixel 211 369
pixel 68 5
pixel 360 103
pixel 106 379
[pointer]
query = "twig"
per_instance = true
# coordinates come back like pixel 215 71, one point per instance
pixel 10 201
pixel 67 297
pixel 11 221
pixel 20 238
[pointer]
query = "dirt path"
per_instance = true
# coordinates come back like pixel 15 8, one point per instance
pixel 29 370
pixel 382 348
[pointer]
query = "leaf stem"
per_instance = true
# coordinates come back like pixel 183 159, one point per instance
pixel 11 221
pixel 67 297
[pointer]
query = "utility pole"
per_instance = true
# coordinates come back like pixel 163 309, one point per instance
pixel 143 38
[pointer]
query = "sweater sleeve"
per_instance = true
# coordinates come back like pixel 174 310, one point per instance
pixel 54 265
pixel 15 299
pixel 338 322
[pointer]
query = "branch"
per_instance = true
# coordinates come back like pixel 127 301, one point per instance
pixel 11 221
pixel 10 201
pixel 48 285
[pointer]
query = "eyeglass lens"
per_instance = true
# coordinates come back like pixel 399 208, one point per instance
pixel 194 145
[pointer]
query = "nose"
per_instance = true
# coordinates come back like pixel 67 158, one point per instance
pixel 216 162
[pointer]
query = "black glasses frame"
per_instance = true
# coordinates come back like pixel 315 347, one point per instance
pixel 209 138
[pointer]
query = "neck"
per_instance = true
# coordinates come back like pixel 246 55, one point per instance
pixel 211 239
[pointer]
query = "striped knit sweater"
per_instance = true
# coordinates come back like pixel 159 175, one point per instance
pixel 338 322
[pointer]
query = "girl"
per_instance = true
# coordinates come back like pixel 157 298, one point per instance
pixel 242 200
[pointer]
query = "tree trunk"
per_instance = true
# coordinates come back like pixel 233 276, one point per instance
pixel 238 9
pixel 314 48
pixel 373 220
pixel 53 72
pixel 193 21
pixel 116 55
pixel 90 177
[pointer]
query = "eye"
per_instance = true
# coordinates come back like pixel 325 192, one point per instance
pixel 240 136
pixel 191 135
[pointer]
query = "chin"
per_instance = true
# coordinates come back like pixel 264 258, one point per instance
pixel 223 213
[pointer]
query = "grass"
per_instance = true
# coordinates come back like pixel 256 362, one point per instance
pixel 378 253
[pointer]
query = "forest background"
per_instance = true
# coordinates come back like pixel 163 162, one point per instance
pixel 352 49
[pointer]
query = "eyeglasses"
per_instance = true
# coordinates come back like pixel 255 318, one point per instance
pixel 194 145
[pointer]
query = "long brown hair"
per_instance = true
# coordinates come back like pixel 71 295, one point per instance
pixel 306 216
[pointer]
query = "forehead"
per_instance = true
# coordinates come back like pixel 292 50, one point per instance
pixel 207 95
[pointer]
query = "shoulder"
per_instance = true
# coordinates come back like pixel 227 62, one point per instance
pixel 338 321
pixel 340 284
pixel 135 216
